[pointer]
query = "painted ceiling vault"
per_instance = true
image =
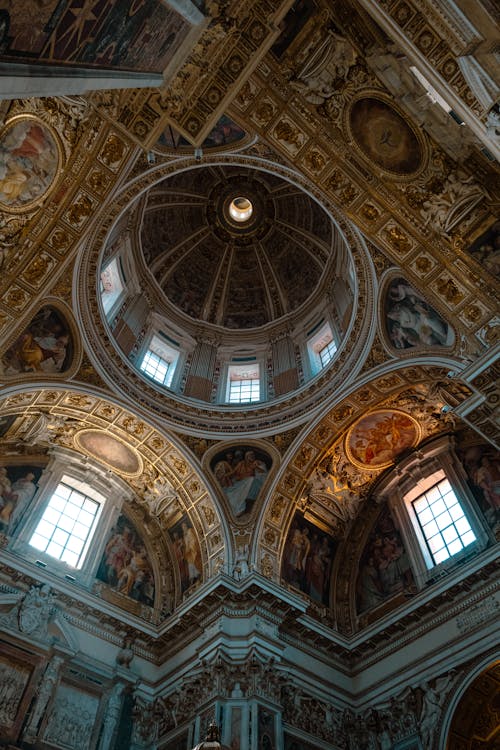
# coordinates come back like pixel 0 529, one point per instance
pixel 373 227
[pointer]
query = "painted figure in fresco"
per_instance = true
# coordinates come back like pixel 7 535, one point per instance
pixel 307 559
pixel 482 464
pixel 241 474
pixel 44 346
pixel 125 564
pixel 15 498
pixel 191 553
pixel 22 492
pixel 384 568
pixel 486 250
pixel 187 553
pixel 28 163
pixel 411 321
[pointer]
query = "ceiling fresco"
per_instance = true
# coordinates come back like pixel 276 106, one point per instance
pixel 346 183
pixel 98 34
pixel 186 228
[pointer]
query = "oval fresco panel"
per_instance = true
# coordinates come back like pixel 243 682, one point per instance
pixel 377 439
pixel 411 321
pixel 384 136
pixel 46 345
pixel 29 162
pixel 110 451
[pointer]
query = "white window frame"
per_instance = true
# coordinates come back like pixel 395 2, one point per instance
pixel 87 493
pixel 250 367
pixel 413 476
pixel 420 488
pixel 317 343
pixel 165 351
pixel 90 478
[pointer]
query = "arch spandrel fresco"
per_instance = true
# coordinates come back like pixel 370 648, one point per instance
pixel 481 462
pixel 45 347
pixel 410 321
pixel 307 560
pixel 241 471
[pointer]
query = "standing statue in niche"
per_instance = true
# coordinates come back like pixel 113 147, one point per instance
pixel 433 700
pixel 46 689
pixel 112 716
pixel 241 569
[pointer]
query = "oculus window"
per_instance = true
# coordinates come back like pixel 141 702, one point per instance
pixel 442 521
pixel 67 525
pixel 243 384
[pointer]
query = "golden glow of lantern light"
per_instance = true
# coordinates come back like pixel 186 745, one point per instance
pixel 240 209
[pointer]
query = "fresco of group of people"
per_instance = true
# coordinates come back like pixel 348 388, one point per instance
pixel 125 564
pixel 379 437
pixel 241 473
pixel 45 346
pixel 411 321
pixel 28 162
pixel 187 552
pixel 18 485
pixel 308 558
pixel 384 568
pixel 482 464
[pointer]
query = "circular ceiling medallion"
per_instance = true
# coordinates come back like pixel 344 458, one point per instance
pixel 110 451
pixel 30 157
pixel 385 137
pixel 377 439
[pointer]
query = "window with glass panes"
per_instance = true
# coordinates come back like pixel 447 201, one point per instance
pixel 443 521
pixel 326 354
pixel 66 525
pixel 156 367
pixel 244 390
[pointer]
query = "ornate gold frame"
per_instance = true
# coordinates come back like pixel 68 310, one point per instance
pixel 57 141
pixel 378 467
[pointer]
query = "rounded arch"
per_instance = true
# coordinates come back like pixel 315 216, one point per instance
pixel 317 476
pixel 175 410
pixel 170 485
pixel 475 694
